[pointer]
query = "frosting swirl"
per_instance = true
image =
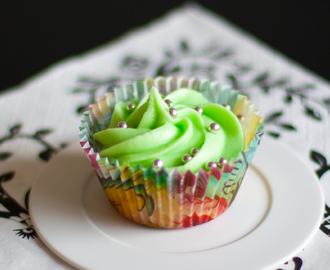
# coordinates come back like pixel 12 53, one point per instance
pixel 153 133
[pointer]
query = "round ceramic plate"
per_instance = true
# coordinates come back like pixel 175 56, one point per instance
pixel 275 214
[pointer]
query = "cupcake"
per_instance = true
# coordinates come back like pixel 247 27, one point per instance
pixel 171 153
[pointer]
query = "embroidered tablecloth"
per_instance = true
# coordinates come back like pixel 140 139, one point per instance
pixel 41 117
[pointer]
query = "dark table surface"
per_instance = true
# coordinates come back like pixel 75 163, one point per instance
pixel 36 34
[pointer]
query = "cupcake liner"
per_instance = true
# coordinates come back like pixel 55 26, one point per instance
pixel 153 196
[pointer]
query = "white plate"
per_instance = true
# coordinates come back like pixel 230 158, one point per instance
pixel 275 214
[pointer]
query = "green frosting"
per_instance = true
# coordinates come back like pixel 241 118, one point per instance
pixel 153 133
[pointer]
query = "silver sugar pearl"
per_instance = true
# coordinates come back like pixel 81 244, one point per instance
pixel 186 158
pixel 211 165
pixel 199 110
pixel 173 112
pixel 214 127
pixel 222 161
pixel 240 118
pixel 158 163
pixel 226 106
pixel 122 124
pixel 168 102
pixel 131 106
pixel 194 151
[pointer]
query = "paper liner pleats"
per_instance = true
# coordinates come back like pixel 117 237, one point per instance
pixel 156 197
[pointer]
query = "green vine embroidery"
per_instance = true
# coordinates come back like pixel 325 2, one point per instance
pixel 38 136
pixel 205 62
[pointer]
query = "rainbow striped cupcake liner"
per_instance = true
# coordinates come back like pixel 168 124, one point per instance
pixel 153 196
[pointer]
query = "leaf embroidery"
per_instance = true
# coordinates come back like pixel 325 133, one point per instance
pixel 184 46
pixel 42 132
pixel 6 177
pixel 312 113
pixel 15 129
pixel 297 263
pixel 287 126
pixel 274 134
pixel 325 226
pixel 273 117
pixel 320 160
pixel 5 155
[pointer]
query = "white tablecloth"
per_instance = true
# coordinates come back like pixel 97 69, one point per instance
pixel 40 117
